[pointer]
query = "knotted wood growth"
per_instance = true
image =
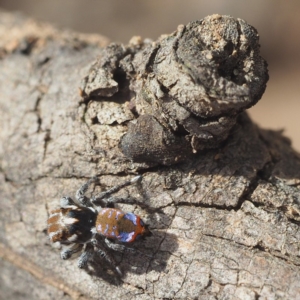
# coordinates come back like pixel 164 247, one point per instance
pixel 185 91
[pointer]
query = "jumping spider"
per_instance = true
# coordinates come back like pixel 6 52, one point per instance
pixel 92 228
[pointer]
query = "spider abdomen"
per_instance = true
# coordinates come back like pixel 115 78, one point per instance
pixel 116 224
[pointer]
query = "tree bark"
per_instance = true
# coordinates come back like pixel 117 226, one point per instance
pixel 225 223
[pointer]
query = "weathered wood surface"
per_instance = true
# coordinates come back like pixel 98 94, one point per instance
pixel 226 224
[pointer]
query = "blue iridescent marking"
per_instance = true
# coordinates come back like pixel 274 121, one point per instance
pixel 125 236
pixel 106 229
pixel 110 213
pixel 117 215
pixel 103 211
pixel 132 217
pixel 113 232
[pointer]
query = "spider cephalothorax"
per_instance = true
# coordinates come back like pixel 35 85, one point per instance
pixel 79 226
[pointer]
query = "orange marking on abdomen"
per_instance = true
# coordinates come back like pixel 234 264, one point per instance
pixel 107 222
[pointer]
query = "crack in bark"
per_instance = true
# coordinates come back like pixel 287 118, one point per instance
pixel 258 247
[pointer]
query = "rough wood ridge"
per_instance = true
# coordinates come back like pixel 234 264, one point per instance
pixel 223 206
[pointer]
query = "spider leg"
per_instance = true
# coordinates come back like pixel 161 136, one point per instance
pixel 112 200
pixel 85 255
pixel 68 251
pixel 114 189
pixel 118 247
pixel 105 255
pixel 80 194
pixel 66 201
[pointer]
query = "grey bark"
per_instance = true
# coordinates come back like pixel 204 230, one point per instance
pixel 225 221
